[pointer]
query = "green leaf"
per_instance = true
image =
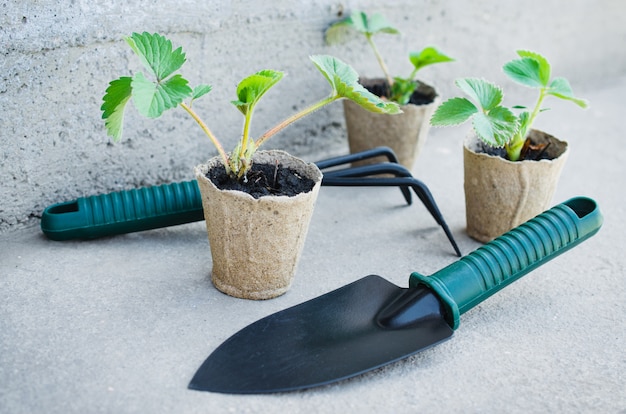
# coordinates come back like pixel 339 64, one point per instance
pixel 504 124
pixel 377 23
pixel 484 130
pixel 338 31
pixel 115 99
pixel 525 71
pixel 486 94
pixel 371 25
pixel 335 71
pixel 152 99
pixel 367 100
pixel 360 22
pixel 155 52
pixel 494 124
pixel 454 111
pixel 251 89
pixel 524 120
pixel 495 128
pixel 544 65
pixel 200 90
pixel 561 88
pixel 402 90
pixel 344 81
pixel 427 56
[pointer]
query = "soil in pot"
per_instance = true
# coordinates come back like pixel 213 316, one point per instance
pixel 538 146
pixel 404 133
pixel 423 95
pixel 501 194
pixel 263 180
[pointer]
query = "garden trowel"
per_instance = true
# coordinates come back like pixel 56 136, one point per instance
pixel 372 322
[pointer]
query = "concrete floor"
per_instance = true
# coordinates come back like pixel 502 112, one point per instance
pixel 120 325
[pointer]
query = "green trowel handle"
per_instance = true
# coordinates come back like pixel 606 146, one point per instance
pixel 475 277
pixel 123 212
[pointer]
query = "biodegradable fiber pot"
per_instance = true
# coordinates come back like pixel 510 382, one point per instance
pixel 404 133
pixel 256 243
pixel 500 194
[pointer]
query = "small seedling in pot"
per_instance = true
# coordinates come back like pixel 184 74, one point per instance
pixel 401 89
pixel 169 89
pixel 494 124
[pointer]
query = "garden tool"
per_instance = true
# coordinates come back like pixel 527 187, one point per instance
pixel 178 203
pixel 372 322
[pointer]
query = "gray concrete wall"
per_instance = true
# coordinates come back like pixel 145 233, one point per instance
pixel 56 59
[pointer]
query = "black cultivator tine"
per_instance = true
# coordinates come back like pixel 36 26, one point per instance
pixel 420 189
pixel 390 167
pixel 359 156
pixel 372 170
pixel 366 176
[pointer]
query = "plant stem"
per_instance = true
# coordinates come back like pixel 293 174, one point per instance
pixel 307 111
pixel 537 108
pixel 380 60
pixel 514 147
pixel 246 133
pixel 208 132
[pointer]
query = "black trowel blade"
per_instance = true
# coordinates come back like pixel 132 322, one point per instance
pixel 330 338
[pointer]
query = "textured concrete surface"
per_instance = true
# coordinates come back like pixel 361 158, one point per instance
pixel 58 57
pixel 119 325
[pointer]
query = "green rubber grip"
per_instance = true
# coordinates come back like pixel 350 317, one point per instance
pixel 493 266
pixel 123 212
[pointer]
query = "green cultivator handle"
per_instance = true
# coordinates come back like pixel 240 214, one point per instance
pixel 123 212
pixel 475 277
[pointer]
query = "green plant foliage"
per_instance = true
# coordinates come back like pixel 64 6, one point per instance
pixel 532 70
pixel 117 96
pixel 400 88
pixel 335 71
pixel 454 111
pixel 561 88
pixel 373 24
pixel 497 125
pixel 427 56
pixel 249 92
pixel 155 52
pixel 200 91
pixel 403 88
pixel 493 123
pixel 153 98
pixel 362 23
pixel 170 89
pixel 344 81
pixel 488 95
pixel 251 89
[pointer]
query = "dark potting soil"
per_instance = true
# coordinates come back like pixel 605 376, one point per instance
pixel 263 180
pixel 530 151
pixel 382 89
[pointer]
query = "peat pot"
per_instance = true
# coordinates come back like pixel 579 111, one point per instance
pixel 256 242
pixel 500 194
pixel 404 133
